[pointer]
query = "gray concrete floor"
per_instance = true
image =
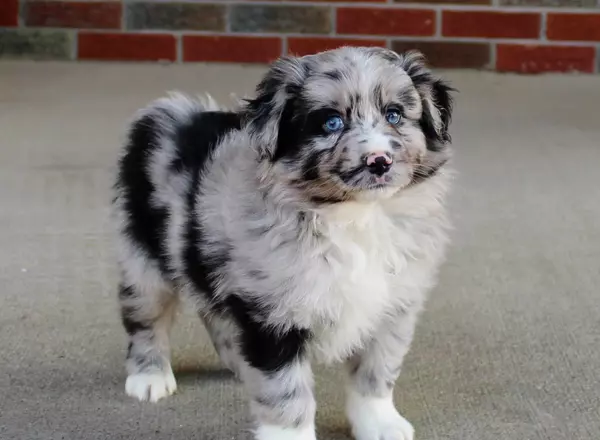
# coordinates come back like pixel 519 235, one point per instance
pixel 508 348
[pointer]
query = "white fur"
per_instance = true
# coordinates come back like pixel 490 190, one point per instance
pixel 270 432
pixel 151 386
pixel 376 418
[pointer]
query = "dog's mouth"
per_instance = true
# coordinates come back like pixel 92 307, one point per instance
pixel 362 178
pixel 357 182
pixel 380 181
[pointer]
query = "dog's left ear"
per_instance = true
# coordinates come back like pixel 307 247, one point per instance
pixel 437 102
pixel 436 97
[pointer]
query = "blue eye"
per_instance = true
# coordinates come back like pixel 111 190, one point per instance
pixel 393 116
pixel 333 124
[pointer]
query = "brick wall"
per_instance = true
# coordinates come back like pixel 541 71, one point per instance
pixel 527 36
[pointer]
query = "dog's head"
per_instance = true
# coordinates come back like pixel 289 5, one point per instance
pixel 351 123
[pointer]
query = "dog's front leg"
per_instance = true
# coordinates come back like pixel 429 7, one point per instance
pixel 278 379
pixel 282 401
pixel 373 373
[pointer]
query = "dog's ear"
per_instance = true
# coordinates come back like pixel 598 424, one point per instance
pixel 436 97
pixel 263 113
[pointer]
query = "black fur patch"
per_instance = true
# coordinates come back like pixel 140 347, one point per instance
pixel 432 137
pixel 318 201
pixel 262 347
pixel 145 223
pixel 260 109
pixel 287 74
pixel 445 103
pixel 131 325
pixel 290 130
pixel 437 140
pixel 298 125
pixel 197 139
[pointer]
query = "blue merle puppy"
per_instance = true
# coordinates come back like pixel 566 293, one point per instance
pixel 306 225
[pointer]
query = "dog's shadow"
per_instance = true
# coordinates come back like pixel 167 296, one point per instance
pixel 197 373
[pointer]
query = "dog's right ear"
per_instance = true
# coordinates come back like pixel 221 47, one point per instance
pixel 280 84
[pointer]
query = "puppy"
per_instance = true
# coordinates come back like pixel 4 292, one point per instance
pixel 307 225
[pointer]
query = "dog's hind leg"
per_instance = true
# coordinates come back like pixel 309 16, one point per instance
pixel 147 310
pixel 224 334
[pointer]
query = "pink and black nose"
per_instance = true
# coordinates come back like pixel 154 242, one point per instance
pixel 378 163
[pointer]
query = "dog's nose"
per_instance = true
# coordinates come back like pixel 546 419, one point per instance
pixel 378 163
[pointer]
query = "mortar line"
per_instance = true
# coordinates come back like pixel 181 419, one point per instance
pixel 228 18
pixel 20 14
pixel 123 16
pixel 544 27
pixel 75 45
pixel 390 5
pixel 519 41
pixel 333 20
pixel 493 55
pixel 179 48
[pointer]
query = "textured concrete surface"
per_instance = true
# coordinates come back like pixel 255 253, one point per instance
pixel 507 350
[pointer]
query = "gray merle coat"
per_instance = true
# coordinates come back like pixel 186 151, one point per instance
pixel 306 225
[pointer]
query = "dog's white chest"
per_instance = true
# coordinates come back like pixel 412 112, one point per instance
pixel 360 262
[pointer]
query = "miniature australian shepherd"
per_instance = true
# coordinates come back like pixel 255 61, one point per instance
pixel 307 224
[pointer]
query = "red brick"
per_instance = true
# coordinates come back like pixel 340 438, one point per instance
pixel 127 47
pixel 231 49
pixel 538 59
pixel 448 2
pixel 573 27
pixel 383 21
pixel 490 24
pixel 9 12
pixel 340 1
pixel 308 45
pixel 449 54
pixel 323 1
pixel 94 15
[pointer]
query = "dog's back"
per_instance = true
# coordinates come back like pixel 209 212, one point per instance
pixel 168 145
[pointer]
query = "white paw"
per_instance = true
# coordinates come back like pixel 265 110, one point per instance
pixel 377 419
pixel 398 429
pixel 151 386
pixel 271 432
